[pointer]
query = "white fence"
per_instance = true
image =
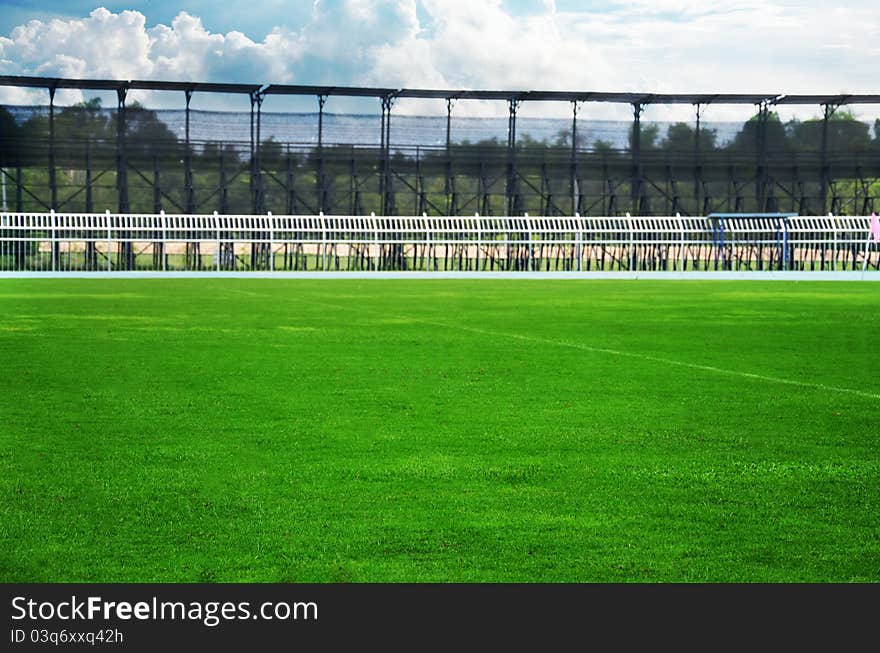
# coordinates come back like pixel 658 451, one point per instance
pixel 106 242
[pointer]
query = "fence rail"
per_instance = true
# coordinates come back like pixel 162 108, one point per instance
pixel 106 242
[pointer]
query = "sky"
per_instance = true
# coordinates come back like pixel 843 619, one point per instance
pixel 653 46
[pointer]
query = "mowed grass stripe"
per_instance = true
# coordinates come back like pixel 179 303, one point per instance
pixel 162 430
pixel 603 350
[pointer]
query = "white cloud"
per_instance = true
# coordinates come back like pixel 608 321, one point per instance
pixel 640 45
pixel 103 45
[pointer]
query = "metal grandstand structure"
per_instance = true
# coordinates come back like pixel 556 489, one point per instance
pixel 394 178
pixel 106 242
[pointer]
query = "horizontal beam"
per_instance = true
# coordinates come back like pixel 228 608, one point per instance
pixel 441 94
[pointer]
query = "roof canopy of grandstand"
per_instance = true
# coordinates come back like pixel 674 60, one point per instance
pixel 310 163
pixel 53 83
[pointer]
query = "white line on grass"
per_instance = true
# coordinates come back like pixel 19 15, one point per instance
pixel 660 359
pixel 597 350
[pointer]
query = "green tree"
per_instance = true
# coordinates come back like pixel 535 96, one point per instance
pixel 746 140
pixel 681 137
pixel 147 136
pixel 563 139
pixel 648 135
pixel 846 133
pixel 87 126
pixel 603 147
pixel 213 150
pixel 875 143
pixel 271 152
pixel 10 139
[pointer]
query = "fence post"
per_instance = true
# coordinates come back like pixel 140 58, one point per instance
pixel 479 239
pixel 109 260
pixel 834 250
pixel 375 239
pixel 53 244
pixel 681 256
pixel 271 242
pixel 732 249
pixel 323 242
pixel 164 241
pixel 219 248
pixel 785 244
pixel 632 253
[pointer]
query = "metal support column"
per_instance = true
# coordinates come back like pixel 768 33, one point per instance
pixel 290 186
pixel 126 247
pixel 252 186
pixel 575 191
pixel 319 172
pixel 449 182
pixel 19 187
pixel 761 155
pixel 257 199
pixel 53 184
pixel 157 185
pixel 253 102
pixel 382 160
pixel 121 164
pixel 387 190
pixel 698 168
pixel 829 110
pixel 91 254
pixel 158 244
pixel 193 255
pixel 636 150
pixel 187 162
pixel 224 184
pixel 90 204
pixel 513 106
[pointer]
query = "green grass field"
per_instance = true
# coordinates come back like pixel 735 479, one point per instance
pixel 296 431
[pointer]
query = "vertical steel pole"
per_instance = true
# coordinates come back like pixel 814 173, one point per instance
pixel 53 185
pixel 382 161
pixel 219 245
pixel 90 206
pixel 319 173
pixel 387 195
pixel 54 237
pixel 447 184
pixel 575 191
pixel 157 186
pixel 159 245
pixel 826 169
pixel 698 170
pixel 19 187
pixel 224 184
pixel 109 238
pixel 121 164
pixel 251 181
pixel 258 167
pixel 187 162
pixel 253 101
pixel 512 106
pixel 126 247
pixel 91 251
pixel 636 151
pixel 53 182
pixel 761 154
pixel 388 185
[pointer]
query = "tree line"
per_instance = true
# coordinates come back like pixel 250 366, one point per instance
pixel 87 129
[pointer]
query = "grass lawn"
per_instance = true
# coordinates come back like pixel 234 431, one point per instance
pixel 492 430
